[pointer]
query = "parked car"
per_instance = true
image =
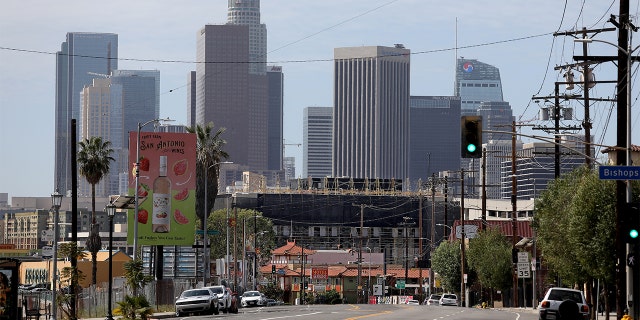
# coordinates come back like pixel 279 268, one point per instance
pixel 433 299
pixel 448 299
pixel 253 299
pixel 563 301
pixel 224 297
pixel 413 302
pixel 197 301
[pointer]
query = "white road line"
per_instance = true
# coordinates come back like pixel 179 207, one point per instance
pixel 293 316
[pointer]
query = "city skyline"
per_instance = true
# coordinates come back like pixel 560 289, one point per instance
pixel 514 37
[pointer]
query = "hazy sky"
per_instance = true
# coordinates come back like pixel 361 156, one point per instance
pixel 515 36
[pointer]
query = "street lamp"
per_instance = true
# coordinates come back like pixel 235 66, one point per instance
pixel 205 242
pixel 137 185
pixel 111 211
pixel 56 201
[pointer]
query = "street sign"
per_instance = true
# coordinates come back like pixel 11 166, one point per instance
pixel 619 172
pixel 523 256
pixel 46 235
pixel 209 232
pixel 400 284
pixel 377 290
pixel 523 270
pixel 470 231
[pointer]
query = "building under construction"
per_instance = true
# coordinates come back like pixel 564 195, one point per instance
pixel 328 213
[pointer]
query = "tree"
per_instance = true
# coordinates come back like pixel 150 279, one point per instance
pixel 94 160
pixel 132 305
pixel 209 152
pixel 489 255
pixel 72 275
pixel 446 262
pixel 263 226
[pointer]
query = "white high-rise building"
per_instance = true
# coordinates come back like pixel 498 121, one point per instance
pixel 371 112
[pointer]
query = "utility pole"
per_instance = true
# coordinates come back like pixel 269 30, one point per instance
pixel 621 152
pixel 514 207
pixel 359 284
pixel 484 189
pixel 463 284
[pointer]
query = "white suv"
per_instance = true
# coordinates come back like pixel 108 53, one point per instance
pixel 449 299
pixel 224 297
pixel 562 300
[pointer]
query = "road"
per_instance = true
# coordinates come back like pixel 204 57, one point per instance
pixel 373 312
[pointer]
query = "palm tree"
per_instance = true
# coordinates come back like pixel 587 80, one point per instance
pixel 94 160
pixel 209 153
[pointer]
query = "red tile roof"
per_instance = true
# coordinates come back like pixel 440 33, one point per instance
pixel 291 249
pixel 505 227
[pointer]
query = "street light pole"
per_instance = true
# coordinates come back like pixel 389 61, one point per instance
pixel 111 211
pixel 56 200
pixel 137 184
pixel 205 236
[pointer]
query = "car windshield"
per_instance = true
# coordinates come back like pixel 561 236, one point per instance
pixel 251 294
pixel 435 297
pixel 449 296
pixel 193 293
pixel 216 290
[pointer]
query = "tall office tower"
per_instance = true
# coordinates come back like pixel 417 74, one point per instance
pixel 496 116
pixel 371 112
pixel 247 12
pixel 476 82
pixel 317 142
pixel 435 136
pixel 535 166
pixel 140 97
pixel 191 99
pixel 111 108
pixel 228 95
pixel 102 116
pixel 275 94
pixel 82 54
pixel 498 151
pixel 155 74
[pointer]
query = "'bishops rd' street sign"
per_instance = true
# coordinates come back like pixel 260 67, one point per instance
pixel 619 172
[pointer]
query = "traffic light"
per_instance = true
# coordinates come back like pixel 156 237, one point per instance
pixel 471 136
pixel 631 223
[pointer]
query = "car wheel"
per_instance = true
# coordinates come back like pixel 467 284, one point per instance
pixel 178 313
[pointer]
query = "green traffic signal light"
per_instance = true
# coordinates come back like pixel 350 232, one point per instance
pixel 471 136
pixel 633 233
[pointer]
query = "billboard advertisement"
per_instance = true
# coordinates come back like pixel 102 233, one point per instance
pixel 168 181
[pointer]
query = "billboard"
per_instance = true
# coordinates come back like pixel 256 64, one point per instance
pixel 168 179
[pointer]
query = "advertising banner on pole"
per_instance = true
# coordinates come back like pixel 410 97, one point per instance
pixel 168 180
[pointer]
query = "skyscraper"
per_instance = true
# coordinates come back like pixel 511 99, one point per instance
pixel 228 95
pixel 435 136
pixel 82 54
pixel 317 142
pixel 232 92
pixel 275 94
pixel 111 108
pixel 247 12
pixel 102 116
pixel 476 82
pixel 371 112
